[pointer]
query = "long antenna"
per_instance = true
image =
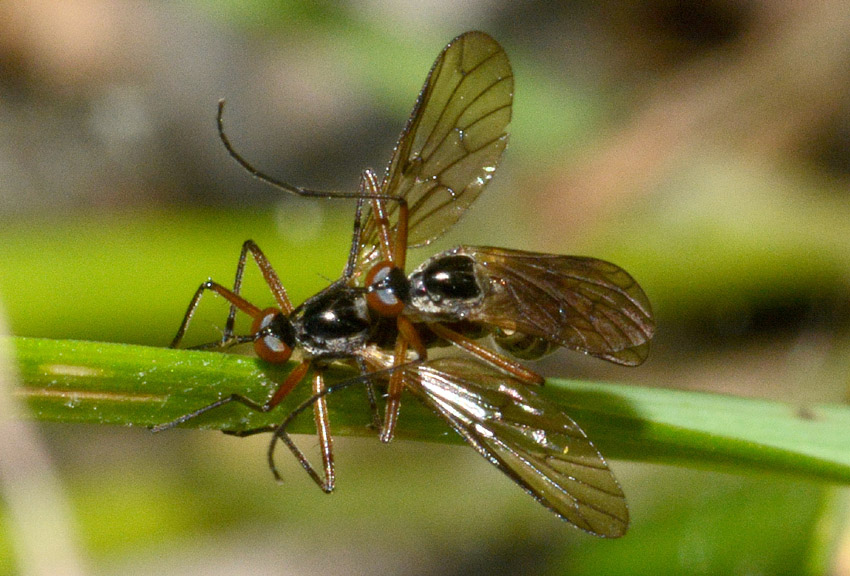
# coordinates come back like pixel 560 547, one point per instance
pixel 285 186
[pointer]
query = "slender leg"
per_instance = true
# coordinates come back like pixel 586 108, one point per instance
pixel 354 251
pixel 296 376
pixel 394 249
pixel 371 395
pixel 493 358
pixel 320 413
pixel 393 246
pixel 372 370
pixel 299 455
pixel 368 186
pixel 251 432
pixel 408 338
pixel 323 431
pixel 408 331
pixel 399 255
pixel 236 301
pixel 394 389
pixel 234 341
pixel 383 224
pixel 269 275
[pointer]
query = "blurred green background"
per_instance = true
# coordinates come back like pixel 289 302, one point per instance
pixel 702 146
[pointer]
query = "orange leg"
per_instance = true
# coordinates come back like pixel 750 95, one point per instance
pixel 296 376
pixel 408 331
pixel 320 414
pixel 232 296
pixel 497 360
pixel 393 248
pixel 236 301
pixel 269 275
pixel 399 255
pixel 383 224
pixel 408 338
pixel 394 389
pixel 323 431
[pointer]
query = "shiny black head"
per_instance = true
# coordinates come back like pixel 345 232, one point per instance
pixel 278 326
pixel 274 337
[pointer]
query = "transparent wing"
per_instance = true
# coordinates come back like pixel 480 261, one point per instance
pixel 584 304
pixel 452 142
pixel 532 441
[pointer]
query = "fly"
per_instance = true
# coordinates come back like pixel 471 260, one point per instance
pixel 529 302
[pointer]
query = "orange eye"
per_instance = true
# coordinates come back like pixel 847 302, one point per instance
pixel 271 347
pixel 386 288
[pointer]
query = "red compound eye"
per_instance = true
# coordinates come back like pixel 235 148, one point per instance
pixel 270 347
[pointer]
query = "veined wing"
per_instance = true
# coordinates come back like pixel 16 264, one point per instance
pixel 452 141
pixel 530 440
pixel 581 303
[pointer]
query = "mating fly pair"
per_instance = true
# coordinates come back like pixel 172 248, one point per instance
pixel 384 321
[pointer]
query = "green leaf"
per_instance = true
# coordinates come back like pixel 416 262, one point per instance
pixel 76 381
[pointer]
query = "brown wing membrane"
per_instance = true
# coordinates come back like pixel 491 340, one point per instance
pixel 532 441
pixel 453 140
pixel 585 304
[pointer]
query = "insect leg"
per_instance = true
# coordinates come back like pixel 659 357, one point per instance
pixel 320 414
pixel 281 434
pixel 393 249
pixel 408 331
pixel 234 341
pixel 354 251
pixel 251 432
pixel 323 431
pixel 371 395
pixel 235 300
pixel 279 394
pixel 399 255
pixel 394 389
pixel 408 338
pixel 269 275
pixel 514 368
pixel 382 220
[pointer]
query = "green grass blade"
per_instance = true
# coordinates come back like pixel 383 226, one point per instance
pixel 92 382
